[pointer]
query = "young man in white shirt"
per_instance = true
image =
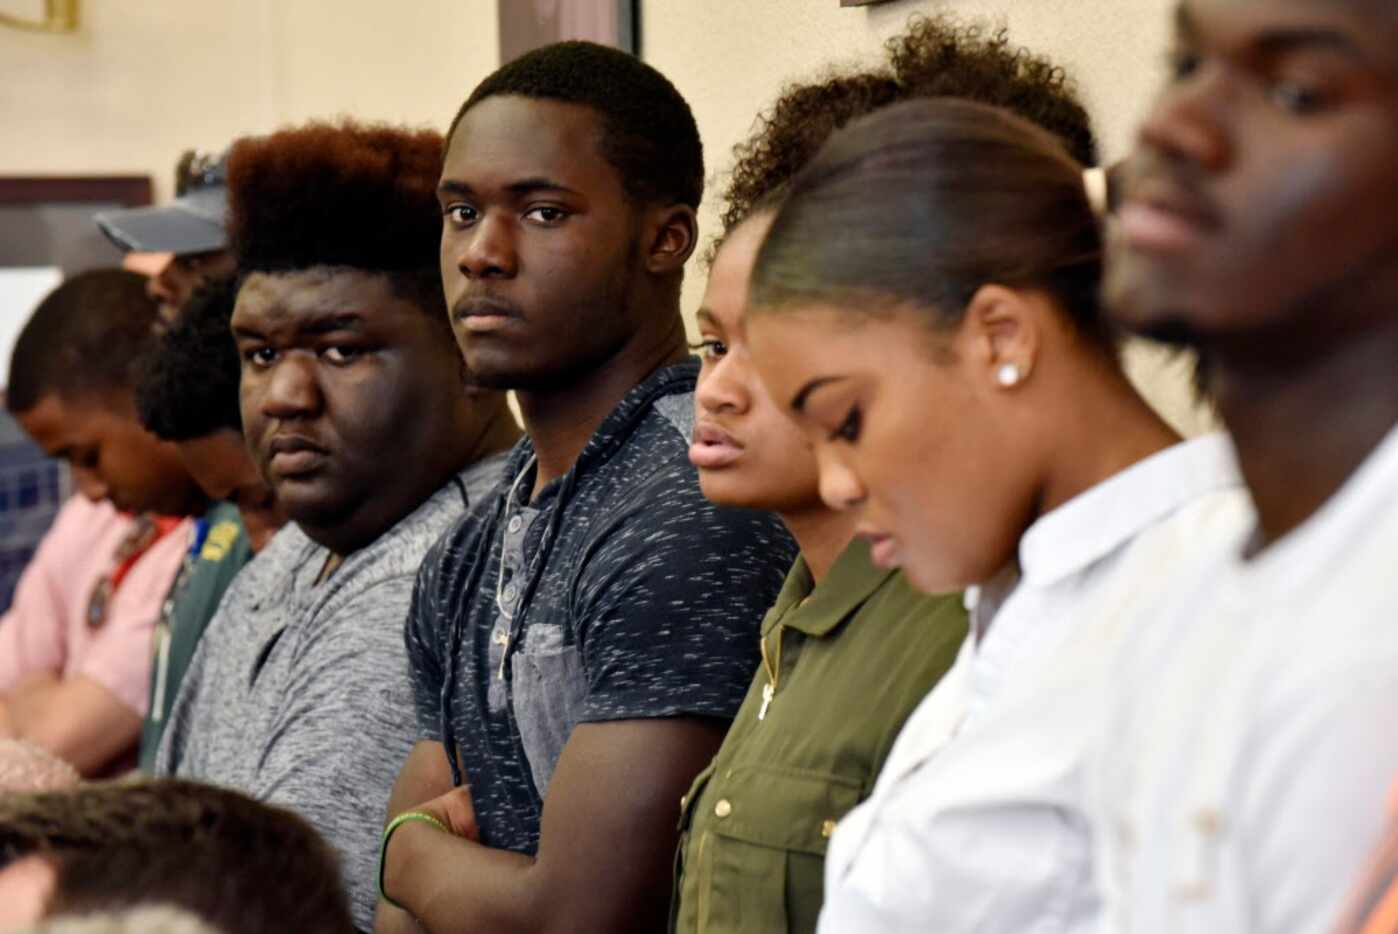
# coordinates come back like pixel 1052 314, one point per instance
pixel 1252 733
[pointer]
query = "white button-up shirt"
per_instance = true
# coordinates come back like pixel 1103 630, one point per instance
pixel 978 821
pixel 1254 732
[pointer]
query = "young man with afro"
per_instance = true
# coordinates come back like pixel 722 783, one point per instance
pixel 189 397
pixel 360 416
pixel 581 643
pixel 75 644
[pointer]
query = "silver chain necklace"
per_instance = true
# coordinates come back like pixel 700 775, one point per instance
pixel 500 602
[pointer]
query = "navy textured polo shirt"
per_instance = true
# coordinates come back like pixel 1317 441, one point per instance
pixel 619 593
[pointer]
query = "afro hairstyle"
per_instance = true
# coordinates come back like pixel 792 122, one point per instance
pixel 89 336
pixel 190 387
pixel 648 131
pixel 935 57
pixel 348 194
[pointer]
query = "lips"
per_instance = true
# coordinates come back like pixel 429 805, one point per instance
pixel 883 548
pixel 485 313
pixel 295 456
pixel 1163 215
pixel 713 448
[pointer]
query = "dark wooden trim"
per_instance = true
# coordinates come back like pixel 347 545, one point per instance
pixel 132 191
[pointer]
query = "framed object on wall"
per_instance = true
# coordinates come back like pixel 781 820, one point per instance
pixel 528 24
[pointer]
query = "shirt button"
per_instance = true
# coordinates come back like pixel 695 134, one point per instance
pixel 510 592
pixel 827 828
pixel 723 808
pixel 516 523
pixel 1208 822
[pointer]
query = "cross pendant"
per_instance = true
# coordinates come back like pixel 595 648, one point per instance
pixel 768 692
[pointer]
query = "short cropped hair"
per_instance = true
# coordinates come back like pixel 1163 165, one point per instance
pixel 936 57
pixel 341 194
pixel 190 386
pixel 238 864
pixel 88 336
pixel 648 131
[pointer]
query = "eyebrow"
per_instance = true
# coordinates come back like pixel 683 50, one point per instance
pixel 325 324
pixel 1184 21
pixel 524 186
pixel 1280 41
pixel 798 402
pixel 345 321
pixel 707 315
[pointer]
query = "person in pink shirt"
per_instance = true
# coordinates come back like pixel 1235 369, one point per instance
pixel 75 645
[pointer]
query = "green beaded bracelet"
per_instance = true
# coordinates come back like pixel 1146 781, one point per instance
pixel 393 825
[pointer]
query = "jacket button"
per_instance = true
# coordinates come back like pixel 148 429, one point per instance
pixel 723 808
pixel 827 828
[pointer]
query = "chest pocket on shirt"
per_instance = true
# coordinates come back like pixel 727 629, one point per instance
pixel 763 862
pixel 548 688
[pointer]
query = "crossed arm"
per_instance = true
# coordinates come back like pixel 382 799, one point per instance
pixel 607 838
pixel 75 718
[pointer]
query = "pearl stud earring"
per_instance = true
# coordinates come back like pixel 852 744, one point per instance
pixel 1009 375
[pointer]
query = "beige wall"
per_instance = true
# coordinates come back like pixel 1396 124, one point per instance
pixel 731 57
pixel 143 80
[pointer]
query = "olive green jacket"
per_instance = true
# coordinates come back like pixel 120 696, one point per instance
pixel 853 657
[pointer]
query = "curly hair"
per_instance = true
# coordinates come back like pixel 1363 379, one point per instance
pixel 90 335
pixel 114 845
pixel 935 57
pixel 649 135
pixel 345 194
pixel 935 197
pixel 190 386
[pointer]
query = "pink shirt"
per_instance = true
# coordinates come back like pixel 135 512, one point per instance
pixel 45 630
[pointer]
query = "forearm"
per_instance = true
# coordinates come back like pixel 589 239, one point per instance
pixel 7 728
pixel 75 719
pixel 451 884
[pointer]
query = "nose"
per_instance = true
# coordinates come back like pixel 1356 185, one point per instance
pixel 290 390
pixel 161 286
pixel 840 487
pixel 1188 122
pixel 489 249
pixel 723 386
pixel 90 484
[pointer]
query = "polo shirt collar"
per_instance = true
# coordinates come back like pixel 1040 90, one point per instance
pixel 817 610
pixel 1100 520
pixel 615 430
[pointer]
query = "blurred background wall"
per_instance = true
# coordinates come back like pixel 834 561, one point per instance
pixel 141 81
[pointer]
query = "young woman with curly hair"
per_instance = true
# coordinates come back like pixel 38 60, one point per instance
pixel 850 648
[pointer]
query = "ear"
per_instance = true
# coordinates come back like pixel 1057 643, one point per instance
pixel 1002 328
pixel 670 233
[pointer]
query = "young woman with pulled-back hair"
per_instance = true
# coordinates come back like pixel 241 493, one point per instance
pixel 925 307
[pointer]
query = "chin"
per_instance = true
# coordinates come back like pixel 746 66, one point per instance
pixel 726 488
pixel 733 490
pixel 941 573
